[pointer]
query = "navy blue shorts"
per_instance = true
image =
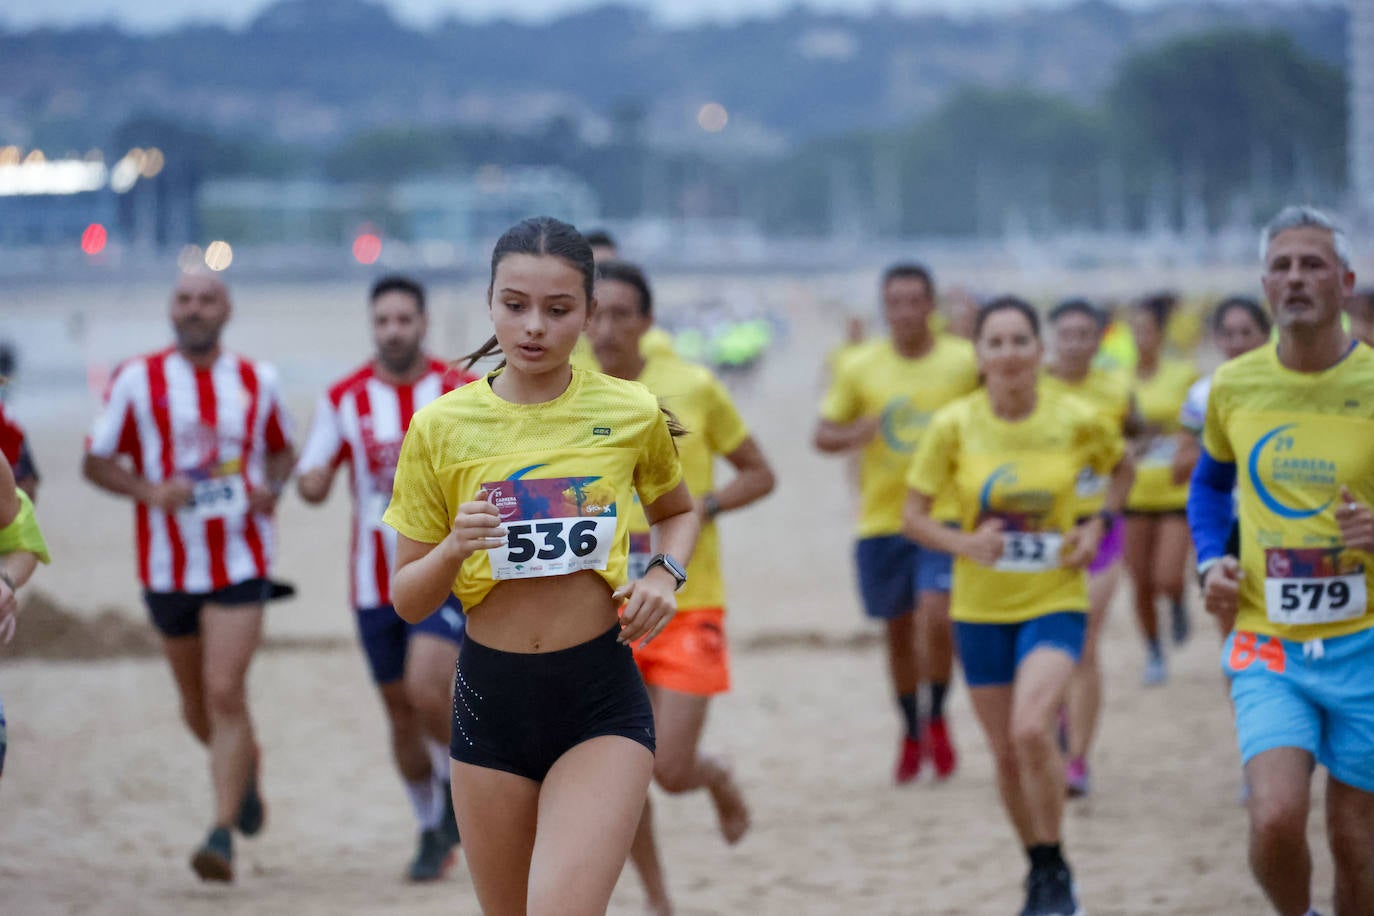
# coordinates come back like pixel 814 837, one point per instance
pixel 894 570
pixel 519 712
pixel 385 635
pixel 177 614
pixel 991 652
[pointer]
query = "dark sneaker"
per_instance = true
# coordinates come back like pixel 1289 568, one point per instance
pixel 1049 892
pixel 433 856
pixel 450 823
pixel 1156 673
pixel 1180 624
pixel 252 811
pixel 214 860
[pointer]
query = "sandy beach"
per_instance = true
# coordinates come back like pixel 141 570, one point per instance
pixel 105 793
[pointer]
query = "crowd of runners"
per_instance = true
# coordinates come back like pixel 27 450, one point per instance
pixel 535 568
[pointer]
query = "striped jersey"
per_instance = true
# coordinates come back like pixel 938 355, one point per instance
pixel 15 446
pixel 360 421
pixel 215 427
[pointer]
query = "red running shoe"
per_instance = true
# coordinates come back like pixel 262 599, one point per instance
pixel 909 761
pixel 941 749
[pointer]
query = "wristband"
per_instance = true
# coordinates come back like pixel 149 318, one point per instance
pixel 711 505
pixel 1204 566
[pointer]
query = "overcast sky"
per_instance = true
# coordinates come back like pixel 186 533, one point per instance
pixel 156 15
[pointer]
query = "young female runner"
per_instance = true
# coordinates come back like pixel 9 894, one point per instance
pixel 1013 453
pixel 512 493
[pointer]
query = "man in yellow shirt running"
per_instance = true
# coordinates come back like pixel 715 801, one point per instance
pixel 689 661
pixel 882 395
pixel 1290 428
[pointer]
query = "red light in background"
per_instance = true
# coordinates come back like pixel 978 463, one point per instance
pixel 367 248
pixel 93 239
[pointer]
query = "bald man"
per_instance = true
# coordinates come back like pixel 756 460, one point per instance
pixel 197 438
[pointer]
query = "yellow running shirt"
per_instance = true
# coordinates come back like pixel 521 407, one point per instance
pixel 873 379
pixel 583 356
pixel 1108 392
pixel 23 534
pixel 1295 438
pixel 656 342
pixel 1159 398
pixel 714 427
pixel 562 474
pixel 1023 473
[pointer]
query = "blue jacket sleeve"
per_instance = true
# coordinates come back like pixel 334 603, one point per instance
pixel 1210 506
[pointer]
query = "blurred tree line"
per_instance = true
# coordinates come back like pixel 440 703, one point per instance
pixel 1204 131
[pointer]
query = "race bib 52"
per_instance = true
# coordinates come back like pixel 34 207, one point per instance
pixel 1030 551
pixel 219 497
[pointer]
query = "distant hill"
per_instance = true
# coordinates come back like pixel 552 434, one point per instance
pixel 315 71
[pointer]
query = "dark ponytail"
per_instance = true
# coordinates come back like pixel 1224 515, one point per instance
pixel 539 236
pixel 1160 307
pixel 1007 304
pixel 1247 305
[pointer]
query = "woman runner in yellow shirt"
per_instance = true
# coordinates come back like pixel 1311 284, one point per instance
pixel 511 493
pixel 1156 524
pixel 1013 452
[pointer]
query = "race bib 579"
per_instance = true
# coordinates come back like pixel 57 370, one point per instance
pixel 1312 585
pixel 554 526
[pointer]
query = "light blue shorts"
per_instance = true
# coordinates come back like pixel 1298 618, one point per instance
pixel 1320 700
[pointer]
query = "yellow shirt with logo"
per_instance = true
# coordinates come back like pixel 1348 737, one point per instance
pixel 23 534
pixel 1295 438
pixel 1108 392
pixel 872 379
pixel 583 355
pixel 1159 399
pixel 714 427
pixel 1023 473
pixel 563 474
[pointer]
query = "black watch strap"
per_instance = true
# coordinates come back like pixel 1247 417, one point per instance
pixel 673 566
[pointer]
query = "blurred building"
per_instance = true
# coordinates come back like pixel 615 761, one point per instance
pixel 51 203
pixel 1361 131
pixel 458 209
pixel 55 202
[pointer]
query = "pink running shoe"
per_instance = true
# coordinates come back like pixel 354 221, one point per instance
pixel 940 748
pixel 1076 778
pixel 908 762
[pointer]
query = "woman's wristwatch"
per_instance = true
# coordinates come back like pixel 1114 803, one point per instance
pixel 673 566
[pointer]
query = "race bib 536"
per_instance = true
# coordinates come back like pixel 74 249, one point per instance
pixel 554 526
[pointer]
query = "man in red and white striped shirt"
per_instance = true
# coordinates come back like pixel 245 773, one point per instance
pixel 360 422
pixel 197 437
pixel 15 446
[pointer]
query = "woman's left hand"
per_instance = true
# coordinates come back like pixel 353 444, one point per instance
pixel 1081 543
pixel 649 605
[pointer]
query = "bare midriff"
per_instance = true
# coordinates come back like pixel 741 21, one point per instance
pixel 543 615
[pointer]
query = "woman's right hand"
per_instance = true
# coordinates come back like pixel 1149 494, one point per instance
pixel 984 544
pixel 477 527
